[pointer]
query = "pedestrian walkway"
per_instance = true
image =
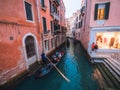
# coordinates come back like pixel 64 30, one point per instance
pixel 113 56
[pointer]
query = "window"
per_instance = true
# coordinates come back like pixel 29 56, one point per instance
pixel 44 25
pixel 46 45
pixel 79 16
pixel 76 26
pixel 76 18
pixel 51 8
pixel 30 46
pixel 51 23
pixel 52 42
pixel 108 40
pixel 79 24
pixel 42 3
pixel 58 40
pixel 28 9
pixel 55 9
pixel 101 11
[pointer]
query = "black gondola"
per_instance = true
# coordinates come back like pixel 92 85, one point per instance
pixel 45 70
pixel 68 43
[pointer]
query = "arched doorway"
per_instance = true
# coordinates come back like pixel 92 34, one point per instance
pixel 30 47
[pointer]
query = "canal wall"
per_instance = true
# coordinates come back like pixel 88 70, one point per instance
pixel 85 51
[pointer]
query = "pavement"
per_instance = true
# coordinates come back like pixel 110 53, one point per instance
pixel 113 56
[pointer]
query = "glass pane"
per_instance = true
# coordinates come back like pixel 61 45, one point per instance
pixel 102 13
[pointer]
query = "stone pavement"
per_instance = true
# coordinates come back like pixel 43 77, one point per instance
pixel 113 56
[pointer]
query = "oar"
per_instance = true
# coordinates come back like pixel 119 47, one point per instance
pixel 59 71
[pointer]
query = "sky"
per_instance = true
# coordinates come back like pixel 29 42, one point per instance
pixel 71 6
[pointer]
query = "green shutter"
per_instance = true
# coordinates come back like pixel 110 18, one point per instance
pixel 96 11
pixel 107 7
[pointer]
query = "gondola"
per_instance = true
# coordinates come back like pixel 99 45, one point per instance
pixel 45 70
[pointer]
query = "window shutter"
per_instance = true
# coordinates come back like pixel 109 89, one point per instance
pixel 96 11
pixel 107 7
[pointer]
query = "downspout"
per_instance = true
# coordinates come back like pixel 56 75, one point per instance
pixel 38 20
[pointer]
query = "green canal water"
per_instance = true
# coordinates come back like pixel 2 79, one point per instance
pixel 75 67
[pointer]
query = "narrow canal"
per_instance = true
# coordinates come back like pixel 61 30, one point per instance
pixel 75 67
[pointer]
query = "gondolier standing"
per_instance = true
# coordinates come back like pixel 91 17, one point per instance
pixel 44 59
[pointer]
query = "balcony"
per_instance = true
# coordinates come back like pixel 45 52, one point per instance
pixel 43 7
pixel 57 2
pixel 46 32
pixel 56 16
pixel 82 10
pixel 56 30
pixel 52 14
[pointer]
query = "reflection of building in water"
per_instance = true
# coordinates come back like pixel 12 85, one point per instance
pixel 108 39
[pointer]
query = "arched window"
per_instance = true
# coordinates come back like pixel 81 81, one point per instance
pixel 30 46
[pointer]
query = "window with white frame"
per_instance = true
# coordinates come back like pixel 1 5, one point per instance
pixel 28 8
pixel 46 43
pixel 102 11
pixel 42 3
pixel 52 43
pixel 44 25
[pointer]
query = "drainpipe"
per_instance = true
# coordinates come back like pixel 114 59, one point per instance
pixel 39 32
pixel 60 19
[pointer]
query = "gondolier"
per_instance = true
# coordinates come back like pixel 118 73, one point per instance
pixel 44 59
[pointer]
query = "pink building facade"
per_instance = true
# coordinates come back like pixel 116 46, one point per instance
pixel 25 27
pixel 101 25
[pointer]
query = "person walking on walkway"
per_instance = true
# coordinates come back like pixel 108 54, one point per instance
pixel 93 44
pixel 95 47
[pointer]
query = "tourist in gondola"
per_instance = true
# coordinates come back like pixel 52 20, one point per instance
pixel 54 59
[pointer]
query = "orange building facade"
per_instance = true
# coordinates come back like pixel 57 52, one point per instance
pixel 28 28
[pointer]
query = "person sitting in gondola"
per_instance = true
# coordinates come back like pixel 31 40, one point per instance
pixel 44 59
pixel 54 59
pixel 58 55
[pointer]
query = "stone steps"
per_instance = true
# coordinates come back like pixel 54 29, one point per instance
pixel 113 68
pixel 116 62
pixel 106 79
pixel 111 82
